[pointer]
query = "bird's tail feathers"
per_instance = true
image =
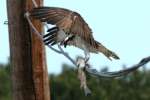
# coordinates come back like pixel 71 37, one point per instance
pixel 108 53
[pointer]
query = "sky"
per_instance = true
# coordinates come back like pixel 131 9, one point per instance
pixel 123 26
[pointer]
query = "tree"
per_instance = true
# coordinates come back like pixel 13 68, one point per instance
pixel 5 87
pixel 65 86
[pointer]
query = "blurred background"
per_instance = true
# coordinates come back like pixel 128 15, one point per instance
pixel 122 26
pixel 66 86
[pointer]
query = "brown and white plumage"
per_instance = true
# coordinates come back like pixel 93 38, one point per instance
pixel 71 26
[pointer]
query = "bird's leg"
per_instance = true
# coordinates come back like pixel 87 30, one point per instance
pixel 49 38
pixel 87 55
pixel 69 37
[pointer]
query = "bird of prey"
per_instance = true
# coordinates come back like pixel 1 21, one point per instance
pixel 70 29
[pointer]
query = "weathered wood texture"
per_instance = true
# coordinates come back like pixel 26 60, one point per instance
pixel 27 52
pixel 40 74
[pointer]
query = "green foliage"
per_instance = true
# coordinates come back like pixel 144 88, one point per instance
pixel 66 86
pixel 5 89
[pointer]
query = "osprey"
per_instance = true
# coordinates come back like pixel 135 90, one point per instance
pixel 70 29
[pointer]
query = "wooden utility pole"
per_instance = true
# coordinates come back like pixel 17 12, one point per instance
pixel 28 64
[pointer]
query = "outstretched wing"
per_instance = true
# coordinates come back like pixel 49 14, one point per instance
pixel 67 20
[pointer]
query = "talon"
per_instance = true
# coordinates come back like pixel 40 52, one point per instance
pixel 64 42
pixel 87 56
pixel 67 39
pixel 61 43
pixel 86 60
